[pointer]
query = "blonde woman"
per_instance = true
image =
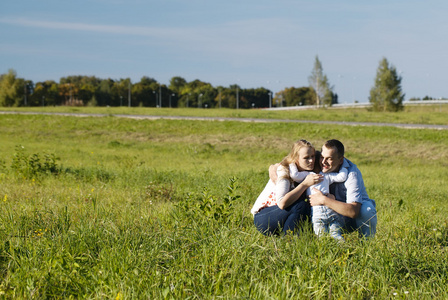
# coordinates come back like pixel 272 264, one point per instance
pixel 281 205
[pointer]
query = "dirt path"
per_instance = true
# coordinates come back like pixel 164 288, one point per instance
pixel 254 120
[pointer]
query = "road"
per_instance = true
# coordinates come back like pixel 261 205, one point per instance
pixel 254 120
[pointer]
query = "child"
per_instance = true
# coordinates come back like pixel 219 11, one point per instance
pixel 324 219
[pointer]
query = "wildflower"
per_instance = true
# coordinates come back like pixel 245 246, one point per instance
pixel 119 296
pixel 5 198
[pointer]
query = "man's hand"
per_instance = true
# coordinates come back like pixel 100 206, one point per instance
pixel 318 198
pixel 273 172
pixel 350 210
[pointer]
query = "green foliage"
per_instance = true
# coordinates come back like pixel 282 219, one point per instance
pixel 45 94
pixel 386 94
pixel 177 84
pixel 297 96
pixel 92 91
pixel 12 89
pixel 205 207
pixel 35 164
pixel 128 216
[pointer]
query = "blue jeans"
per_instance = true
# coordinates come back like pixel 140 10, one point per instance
pixel 326 220
pixel 273 220
pixel 366 221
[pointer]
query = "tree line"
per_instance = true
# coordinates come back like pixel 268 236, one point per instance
pixel 93 91
pixel 385 95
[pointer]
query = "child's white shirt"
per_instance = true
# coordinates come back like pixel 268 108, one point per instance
pixel 323 186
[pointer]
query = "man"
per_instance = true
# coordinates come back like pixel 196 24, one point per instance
pixel 349 198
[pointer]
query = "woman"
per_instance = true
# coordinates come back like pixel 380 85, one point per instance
pixel 281 205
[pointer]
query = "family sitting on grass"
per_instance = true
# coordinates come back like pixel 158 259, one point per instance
pixel 338 200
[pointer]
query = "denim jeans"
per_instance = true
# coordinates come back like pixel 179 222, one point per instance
pixel 366 221
pixel 326 220
pixel 273 220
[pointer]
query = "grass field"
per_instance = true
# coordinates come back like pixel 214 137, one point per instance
pixel 412 114
pixel 127 209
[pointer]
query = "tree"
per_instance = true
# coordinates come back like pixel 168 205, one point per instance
pixel 79 90
pixel 296 96
pixel 254 98
pixel 70 93
pixel 386 94
pixel 225 97
pixel 12 89
pixel 121 91
pixel 177 84
pixel 193 94
pixel 38 96
pixel 104 91
pixel 144 92
pixel 46 93
pixel 319 83
pixel 208 96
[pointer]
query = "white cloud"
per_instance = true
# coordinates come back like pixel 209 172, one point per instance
pixel 238 42
pixel 130 30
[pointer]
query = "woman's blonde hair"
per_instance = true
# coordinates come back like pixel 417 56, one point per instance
pixel 294 155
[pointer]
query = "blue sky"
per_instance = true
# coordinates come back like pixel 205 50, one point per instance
pixel 252 43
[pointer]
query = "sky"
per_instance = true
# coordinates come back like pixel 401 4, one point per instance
pixel 251 43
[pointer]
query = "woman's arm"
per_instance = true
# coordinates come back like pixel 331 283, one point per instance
pixel 273 172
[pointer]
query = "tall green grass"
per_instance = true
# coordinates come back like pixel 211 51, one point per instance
pixel 150 209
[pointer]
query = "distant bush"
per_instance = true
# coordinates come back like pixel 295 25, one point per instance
pixel 32 165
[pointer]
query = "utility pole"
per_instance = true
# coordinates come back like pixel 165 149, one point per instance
pixel 237 98
pixel 160 95
pixel 129 94
pixel 25 93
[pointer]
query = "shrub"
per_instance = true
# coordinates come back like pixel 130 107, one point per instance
pixel 206 207
pixel 32 165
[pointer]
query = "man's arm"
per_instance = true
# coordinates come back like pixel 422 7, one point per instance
pixel 350 210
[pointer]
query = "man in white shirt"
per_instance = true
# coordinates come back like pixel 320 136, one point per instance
pixel 348 198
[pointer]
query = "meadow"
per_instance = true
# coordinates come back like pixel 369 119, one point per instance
pixel 412 114
pixel 116 208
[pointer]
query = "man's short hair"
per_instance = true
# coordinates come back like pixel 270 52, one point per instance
pixel 335 144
